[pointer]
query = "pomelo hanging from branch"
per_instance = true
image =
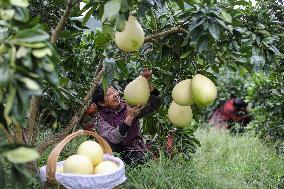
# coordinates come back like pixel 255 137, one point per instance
pixel 132 37
pixel 137 92
pixel 182 93
pixel 204 91
pixel 180 116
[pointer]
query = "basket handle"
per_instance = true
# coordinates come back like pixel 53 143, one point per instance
pixel 53 156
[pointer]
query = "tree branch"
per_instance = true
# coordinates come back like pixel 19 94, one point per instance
pixel 78 113
pixel 7 133
pixel 32 121
pixel 62 22
pixel 165 33
pixel 18 134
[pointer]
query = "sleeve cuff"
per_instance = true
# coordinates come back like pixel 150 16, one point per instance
pixel 155 92
pixel 123 128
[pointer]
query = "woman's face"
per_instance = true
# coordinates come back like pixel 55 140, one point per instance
pixel 112 99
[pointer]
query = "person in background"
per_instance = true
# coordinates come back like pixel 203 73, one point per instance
pixel 234 110
pixel 118 124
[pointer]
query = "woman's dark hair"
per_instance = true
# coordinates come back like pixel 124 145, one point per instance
pixel 98 95
pixel 239 103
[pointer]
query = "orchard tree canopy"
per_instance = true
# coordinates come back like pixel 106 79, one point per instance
pixel 51 62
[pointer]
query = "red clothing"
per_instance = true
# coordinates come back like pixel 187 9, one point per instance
pixel 226 113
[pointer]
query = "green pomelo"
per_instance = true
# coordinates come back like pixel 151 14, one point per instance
pixel 137 91
pixel 182 93
pixel 180 116
pixel 132 37
pixel 203 90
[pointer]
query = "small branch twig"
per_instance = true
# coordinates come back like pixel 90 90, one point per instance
pixel 32 121
pixel 165 33
pixel 62 22
pixel 18 134
pixel 78 114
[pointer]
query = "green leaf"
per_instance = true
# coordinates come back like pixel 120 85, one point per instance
pixel 4 73
pixel 202 44
pixel 124 6
pixel 120 23
pixel 101 39
pixel 22 52
pixel 48 67
pixel 31 45
pixel 274 49
pixel 21 14
pixel 7 14
pixel 241 2
pixel 226 17
pixel 110 71
pixel 85 8
pixel 195 24
pixel 30 84
pixel 40 53
pixel 20 3
pixel 195 35
pixel 214 31
pixel 111 9
pixel 2 49
pixel 221 22
pixel 31 36
pixel 52 78
pixel 13 57
pixel 192 2
pixel 22 155
pixel 61 102
pixel 243 70
pixel 257 59
pixel 88 15
pixel 9 103
pixel 184 55
pixel 180 4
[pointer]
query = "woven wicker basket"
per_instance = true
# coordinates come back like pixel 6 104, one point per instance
pixel 50 168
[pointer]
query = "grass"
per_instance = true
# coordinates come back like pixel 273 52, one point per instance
pixel 223 161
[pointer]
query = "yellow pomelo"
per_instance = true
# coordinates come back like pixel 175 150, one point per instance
pixel 181 93
pixel 92 150
pixel 137 91
pixel 132 37
pixel 78 164
pixel 180 116
pixel 105 167
pixel 203 90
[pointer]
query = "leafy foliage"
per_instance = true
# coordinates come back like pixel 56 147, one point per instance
pixel 197 36
pixel 27 59
pixel 266 91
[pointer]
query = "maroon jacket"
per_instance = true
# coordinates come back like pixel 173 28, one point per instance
pixel 111 124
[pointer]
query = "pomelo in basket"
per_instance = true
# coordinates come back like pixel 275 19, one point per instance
pixel 105 167
pixel 92 150
pixel 78 164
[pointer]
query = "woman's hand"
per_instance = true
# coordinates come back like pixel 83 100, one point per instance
pixel 132 112
pixel 148 75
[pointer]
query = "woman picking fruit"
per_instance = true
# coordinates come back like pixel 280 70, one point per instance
pixel 118 120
